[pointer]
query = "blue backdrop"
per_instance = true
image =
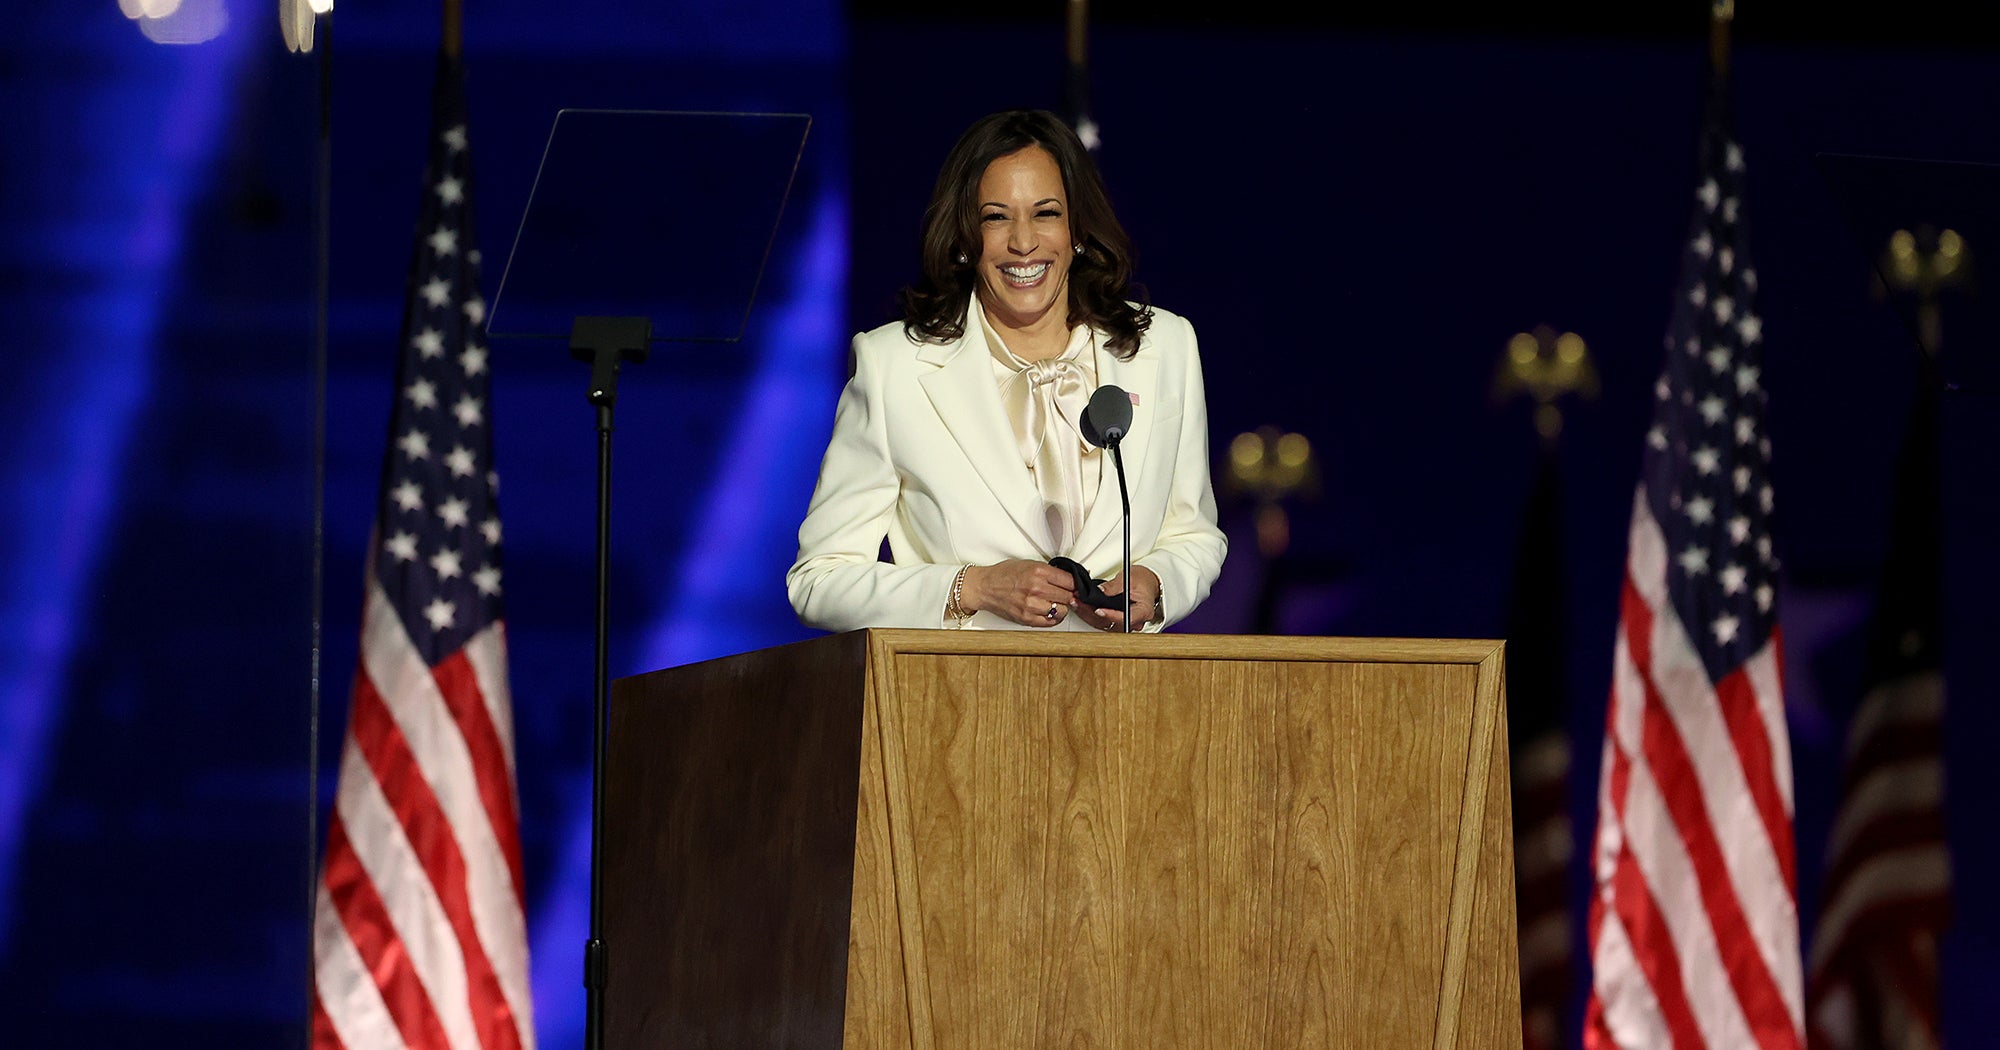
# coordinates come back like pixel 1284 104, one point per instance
pixel 1356 221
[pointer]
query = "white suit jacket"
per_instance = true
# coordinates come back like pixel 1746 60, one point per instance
pixel 922 453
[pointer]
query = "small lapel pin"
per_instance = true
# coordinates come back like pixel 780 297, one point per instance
pixel 1133 396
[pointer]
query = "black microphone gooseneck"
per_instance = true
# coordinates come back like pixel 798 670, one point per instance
pixel 1105 423
pixel 1125 502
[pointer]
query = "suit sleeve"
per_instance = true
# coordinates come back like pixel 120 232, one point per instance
pixel 1187 556
pixel 839 582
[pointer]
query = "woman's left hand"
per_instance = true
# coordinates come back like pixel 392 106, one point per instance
pixel 1145 602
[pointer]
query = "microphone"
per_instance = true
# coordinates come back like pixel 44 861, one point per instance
pixel 1107 417
pixel 1105 422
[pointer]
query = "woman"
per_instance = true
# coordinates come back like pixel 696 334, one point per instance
pixel 958 438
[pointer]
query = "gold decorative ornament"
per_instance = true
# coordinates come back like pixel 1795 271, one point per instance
pixel 1925 262
pixel 1270 466
pixel 1545 366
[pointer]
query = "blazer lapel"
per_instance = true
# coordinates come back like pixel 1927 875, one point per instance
pixel 1106 516
pixel 963 392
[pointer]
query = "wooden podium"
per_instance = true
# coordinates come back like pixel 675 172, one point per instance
pixel 960 839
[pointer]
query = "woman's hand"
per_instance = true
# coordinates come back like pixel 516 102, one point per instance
pixel 1031 593
pixel 1145 602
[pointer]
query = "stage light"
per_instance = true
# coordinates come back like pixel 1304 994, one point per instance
pixel 177 21
pixel 295 19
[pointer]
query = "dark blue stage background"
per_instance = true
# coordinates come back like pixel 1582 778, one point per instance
pixel 1356 218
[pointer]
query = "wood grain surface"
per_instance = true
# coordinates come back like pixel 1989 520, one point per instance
pixel 935 839
pixel 730 847
pixel 1213 842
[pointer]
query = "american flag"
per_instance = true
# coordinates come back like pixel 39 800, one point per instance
pixel 1873 973
pixel 1544 840
pixel 1693 926
pixel 419 935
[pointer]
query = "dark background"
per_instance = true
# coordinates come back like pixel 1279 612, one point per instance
pixel 1356 209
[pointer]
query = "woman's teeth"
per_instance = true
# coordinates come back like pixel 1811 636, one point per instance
pixel 1025 274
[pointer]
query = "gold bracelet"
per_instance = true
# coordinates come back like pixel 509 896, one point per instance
pixel 954 609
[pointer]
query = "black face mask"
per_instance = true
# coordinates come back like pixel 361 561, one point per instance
pixel 1088 591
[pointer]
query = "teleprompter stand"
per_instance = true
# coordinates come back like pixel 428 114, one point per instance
pixel 642 226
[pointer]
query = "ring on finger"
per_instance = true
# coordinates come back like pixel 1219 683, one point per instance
pixel 1054 611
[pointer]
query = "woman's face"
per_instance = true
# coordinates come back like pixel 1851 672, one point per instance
pixel 1025 252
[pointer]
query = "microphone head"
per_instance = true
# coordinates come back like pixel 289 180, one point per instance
pixel 1108 417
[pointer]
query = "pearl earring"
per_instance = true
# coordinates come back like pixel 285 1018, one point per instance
pixel 1079 248
pixel 962 260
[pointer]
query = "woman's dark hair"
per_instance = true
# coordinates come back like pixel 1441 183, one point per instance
pixel 1100 277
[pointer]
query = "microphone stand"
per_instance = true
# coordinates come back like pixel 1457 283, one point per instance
pixel 1125 502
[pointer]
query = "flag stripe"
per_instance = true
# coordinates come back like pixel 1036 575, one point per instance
pixel 1749 973
pixel 1917 872
pixel 416 917
pixel 1897 805
pixel 323 1033
pixel 1544 855
pixel 486 654
pixel 1685 794
pixel 1888 884
pixel 1756 759
pixel 430 833
pixel 458 685
pixel 1766 672
pixel 1652 948
pixel 1887 930
pixel 1640 1020
pixel 1655 866
pixel 366 920
pixel 1547 939
pixel 1538 743
pixel 1638 967
pixel 358 1017
pixel 1911 974
pixel 420 728
pixel 1909 845
pixel 1907 699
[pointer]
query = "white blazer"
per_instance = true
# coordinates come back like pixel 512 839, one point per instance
pixel 922 454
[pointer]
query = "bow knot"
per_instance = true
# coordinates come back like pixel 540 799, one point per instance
pixel 1045 400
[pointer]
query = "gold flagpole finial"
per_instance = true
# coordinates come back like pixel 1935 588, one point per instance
pixel 1926 262
pixel 1547 367
pixel 1270 467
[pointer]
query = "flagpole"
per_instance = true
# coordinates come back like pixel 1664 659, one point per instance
pixel 454 28
pixel 1721 13
pixel 1076 40
pixel 322 284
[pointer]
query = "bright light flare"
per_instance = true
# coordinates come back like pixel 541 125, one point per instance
pixel 295 18
pixel 177 21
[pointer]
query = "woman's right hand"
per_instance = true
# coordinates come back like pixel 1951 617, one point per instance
pixel 1030 593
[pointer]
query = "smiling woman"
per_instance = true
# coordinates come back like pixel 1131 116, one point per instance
pixel 961 439
pixel 1025 248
